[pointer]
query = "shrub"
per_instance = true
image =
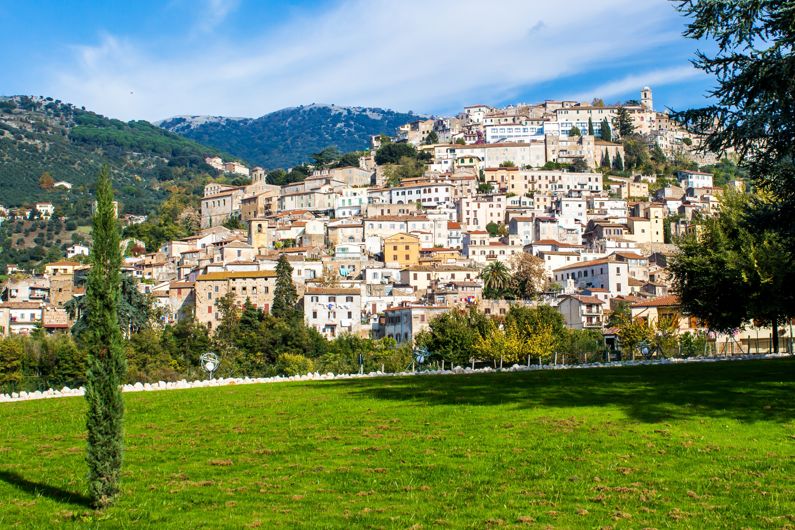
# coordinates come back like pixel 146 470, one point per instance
pixel 293 364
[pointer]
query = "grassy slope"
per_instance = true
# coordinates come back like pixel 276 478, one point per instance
pixel 697 446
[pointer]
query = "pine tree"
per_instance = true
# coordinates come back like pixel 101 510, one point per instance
pixel 590 126
pixel 106 363
pixel 623 122
pixel 606 133
pixel 284 297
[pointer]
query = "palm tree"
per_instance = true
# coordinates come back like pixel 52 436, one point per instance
pixel 497 280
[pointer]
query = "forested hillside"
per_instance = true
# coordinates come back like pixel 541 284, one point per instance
pixel 289 136
pixel 42 135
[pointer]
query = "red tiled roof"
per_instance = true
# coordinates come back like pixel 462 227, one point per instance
pixel 661 301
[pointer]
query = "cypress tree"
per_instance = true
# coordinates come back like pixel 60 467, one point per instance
pixel 590 126
pixel 606 133
pixel 106 364
pixel 618 163
pixel 284 297
pixel 606 159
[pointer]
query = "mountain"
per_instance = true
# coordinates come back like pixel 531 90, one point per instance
pixel 288 137
pixel 39 135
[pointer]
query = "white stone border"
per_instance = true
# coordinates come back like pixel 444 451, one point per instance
pixel 315 376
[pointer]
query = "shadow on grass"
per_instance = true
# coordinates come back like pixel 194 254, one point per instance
pixel 45 490
pixel 747 391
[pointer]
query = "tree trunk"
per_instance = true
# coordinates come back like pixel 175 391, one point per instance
pixel 775 334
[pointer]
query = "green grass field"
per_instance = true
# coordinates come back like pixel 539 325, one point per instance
pixel 689 446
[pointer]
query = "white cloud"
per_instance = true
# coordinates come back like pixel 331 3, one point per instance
pixel 411 54
pixel 213 13
pixel 633 82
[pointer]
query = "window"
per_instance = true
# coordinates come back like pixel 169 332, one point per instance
pixel 209 296
pixel 332 299
pixel 209 309
pixel 314 314
pixel 349 299
pixel 618 287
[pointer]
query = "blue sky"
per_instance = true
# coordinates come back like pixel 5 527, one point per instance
pixel 154 59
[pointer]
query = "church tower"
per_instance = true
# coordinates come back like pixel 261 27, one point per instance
pixel 258 234
pixel 645 99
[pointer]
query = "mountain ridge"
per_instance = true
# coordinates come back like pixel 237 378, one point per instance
pixel 288 136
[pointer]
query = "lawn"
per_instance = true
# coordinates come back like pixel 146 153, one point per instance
pixel 679 446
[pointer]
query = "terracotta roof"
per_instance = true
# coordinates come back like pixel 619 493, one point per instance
pixel 558 253
pixel 555 243
pixel 440 268
pixel 63 263
pixel 586 299
pixel 228 275
pixel 583 264
pixel 333 291
pixel 452 225
pixel 401 235
pixel 222 194
pixel 21 305
pixel 661 301
pixel 629 255
pixel 402 218
pixel 236 243
pixel 286 213
pixel 401 308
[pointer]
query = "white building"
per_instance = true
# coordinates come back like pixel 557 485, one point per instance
pixel 350 202
pixel 694 179
pixel 599 273
pixel 77 250
pixel 333 311
pixel 477 211
pixel 425 193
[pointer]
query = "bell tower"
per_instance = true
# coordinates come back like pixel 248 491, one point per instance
pixel 645 99
pixel 258 234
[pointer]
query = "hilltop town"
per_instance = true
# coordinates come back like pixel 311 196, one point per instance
pixel 447 213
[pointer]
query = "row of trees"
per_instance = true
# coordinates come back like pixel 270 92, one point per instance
pixel 462 336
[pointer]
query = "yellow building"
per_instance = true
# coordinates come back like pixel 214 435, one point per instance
pixel 402 250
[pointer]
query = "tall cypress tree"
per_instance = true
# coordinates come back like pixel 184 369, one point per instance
pixel 606 133
pixel 590 126
pixel 284 297
pixel 106 364
pixel 618 162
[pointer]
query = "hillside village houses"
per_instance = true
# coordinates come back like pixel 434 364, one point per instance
pixel 380 261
